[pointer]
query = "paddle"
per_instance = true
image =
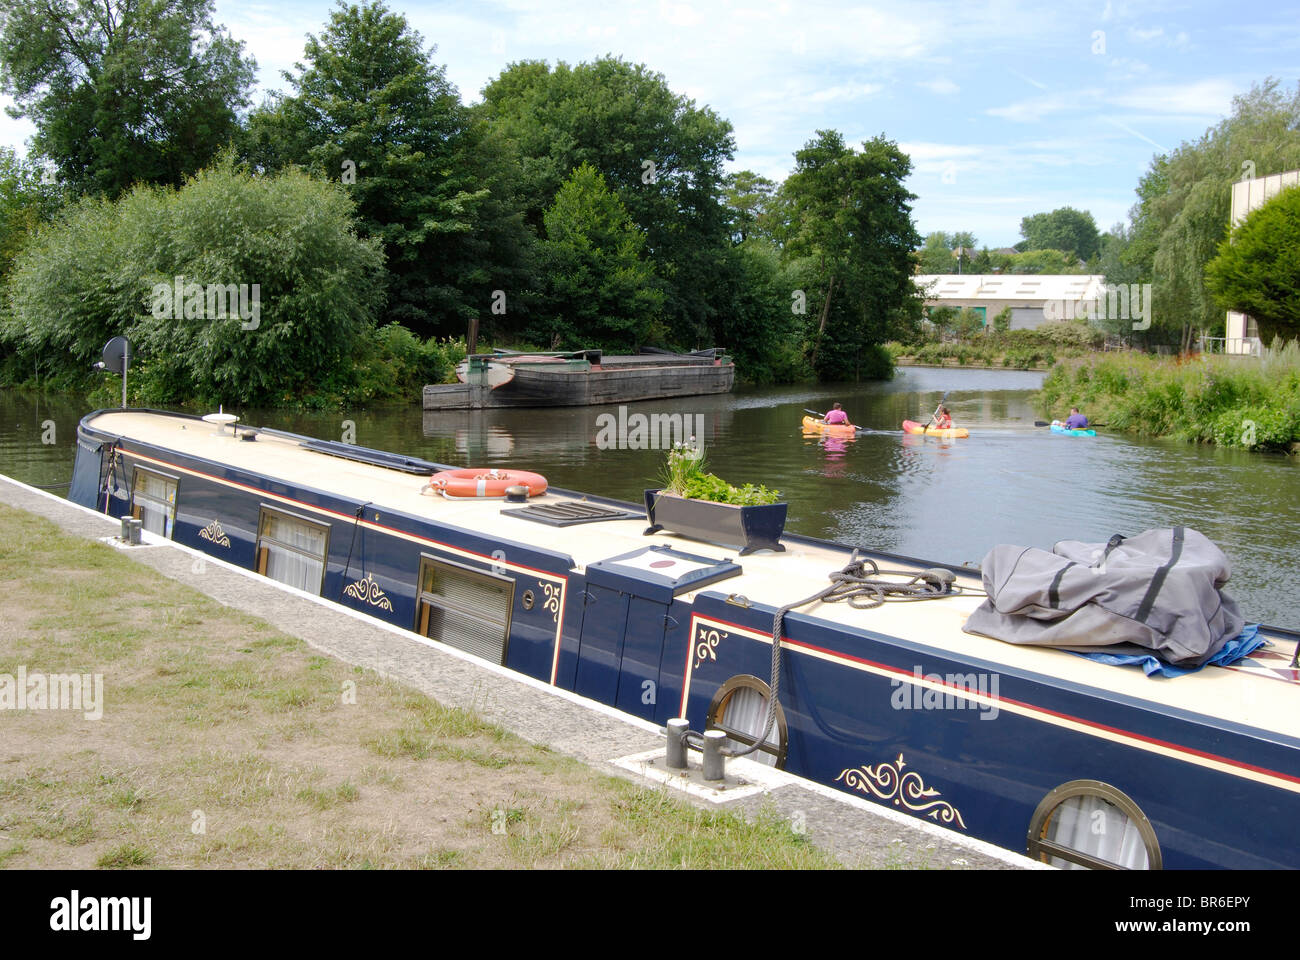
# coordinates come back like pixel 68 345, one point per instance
pixel 1044 423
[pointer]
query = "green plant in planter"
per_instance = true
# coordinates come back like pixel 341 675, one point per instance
pixel 684 474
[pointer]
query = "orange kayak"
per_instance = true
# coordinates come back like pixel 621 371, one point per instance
pixel 813 425
pixel 949 433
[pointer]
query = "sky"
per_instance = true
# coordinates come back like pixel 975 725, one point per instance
pixel 1007 109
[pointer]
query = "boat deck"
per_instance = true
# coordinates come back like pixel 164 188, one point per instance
pixel 1250 695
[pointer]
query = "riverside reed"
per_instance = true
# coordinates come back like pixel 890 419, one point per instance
pixel 1230 401
pixel 226 743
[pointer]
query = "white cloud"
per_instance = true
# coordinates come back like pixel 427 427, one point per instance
pixel 1178 41
pixel 942 86
pixel 1201 98
pixel 1036 109
pixel 922 151
pixel 679 14
pixel 846 92
pixel 1029 80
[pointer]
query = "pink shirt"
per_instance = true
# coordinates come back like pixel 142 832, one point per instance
pixel 837 416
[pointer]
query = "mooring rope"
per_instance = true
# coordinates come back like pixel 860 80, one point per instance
pixel 347 567
pixel 862 591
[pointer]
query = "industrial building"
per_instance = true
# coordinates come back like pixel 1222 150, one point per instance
pixel 1034 298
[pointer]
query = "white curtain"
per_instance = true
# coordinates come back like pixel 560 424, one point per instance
pixel 745 712
pixel 297 569
pixel 156 498
pixel 1091 825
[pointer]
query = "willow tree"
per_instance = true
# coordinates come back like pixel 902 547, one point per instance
pixel 284 246
pixel 1184 204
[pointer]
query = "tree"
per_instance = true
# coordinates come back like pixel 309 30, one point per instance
pixel 655 149
pixel 123 91
pixel 1041 261
pixel 29 197
pixel 1184 202
pixel 851 223
pixel 1065 228
pixel 760 329
pixel 598 289
pixel 749 197
pixel 936 255
pixel 1257 269
pixel 963 249
pixel 370 109
pixel 939 254
pixel 110 267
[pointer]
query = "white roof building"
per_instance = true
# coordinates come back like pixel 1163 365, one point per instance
pixel 1032 297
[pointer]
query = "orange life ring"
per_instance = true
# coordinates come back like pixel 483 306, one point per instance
pixel 470 483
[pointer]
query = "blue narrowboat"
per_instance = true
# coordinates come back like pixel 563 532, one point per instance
pixel 1071 761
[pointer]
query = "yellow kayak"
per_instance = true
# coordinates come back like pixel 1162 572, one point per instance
pixel 948 433
pixel 813 425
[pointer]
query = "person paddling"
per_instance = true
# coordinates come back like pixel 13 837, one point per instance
pixel 942 418
pixel 1076 420
pixel 836 416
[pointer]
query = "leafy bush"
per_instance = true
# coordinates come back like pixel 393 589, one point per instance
pixel 111 268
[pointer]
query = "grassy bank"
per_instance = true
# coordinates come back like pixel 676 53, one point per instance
pixel 1230 401
pixel 226 743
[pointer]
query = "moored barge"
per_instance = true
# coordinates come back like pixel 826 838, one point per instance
pixel 1034 749
pixel 586 377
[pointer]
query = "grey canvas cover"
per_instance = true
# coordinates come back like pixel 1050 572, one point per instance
pixel 1160 591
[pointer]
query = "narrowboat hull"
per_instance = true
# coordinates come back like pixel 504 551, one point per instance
pixel 895 705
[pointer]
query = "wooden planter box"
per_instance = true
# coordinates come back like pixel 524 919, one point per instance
pixel 751 528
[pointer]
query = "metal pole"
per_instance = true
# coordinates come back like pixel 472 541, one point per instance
pixel 714 765
pixel 126 357
pixel 676 758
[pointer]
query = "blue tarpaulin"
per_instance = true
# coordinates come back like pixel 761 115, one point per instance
pixel 1238 648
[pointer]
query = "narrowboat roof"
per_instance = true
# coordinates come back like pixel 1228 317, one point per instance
pixel 1258 698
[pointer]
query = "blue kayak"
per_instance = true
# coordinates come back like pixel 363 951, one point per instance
pixel 1059 427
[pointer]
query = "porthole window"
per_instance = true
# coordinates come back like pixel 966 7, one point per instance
pixel 739 709
pixel 1090 825
pixel 153 501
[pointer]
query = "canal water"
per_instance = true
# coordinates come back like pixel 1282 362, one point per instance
pixel 951 501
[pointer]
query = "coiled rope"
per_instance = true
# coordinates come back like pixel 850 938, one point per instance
pixel 861 590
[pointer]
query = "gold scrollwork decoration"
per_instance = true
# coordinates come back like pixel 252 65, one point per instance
pixel 369 591
pixel 214 533
pixel 552 601
pixel 707 643
pixel 908 790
